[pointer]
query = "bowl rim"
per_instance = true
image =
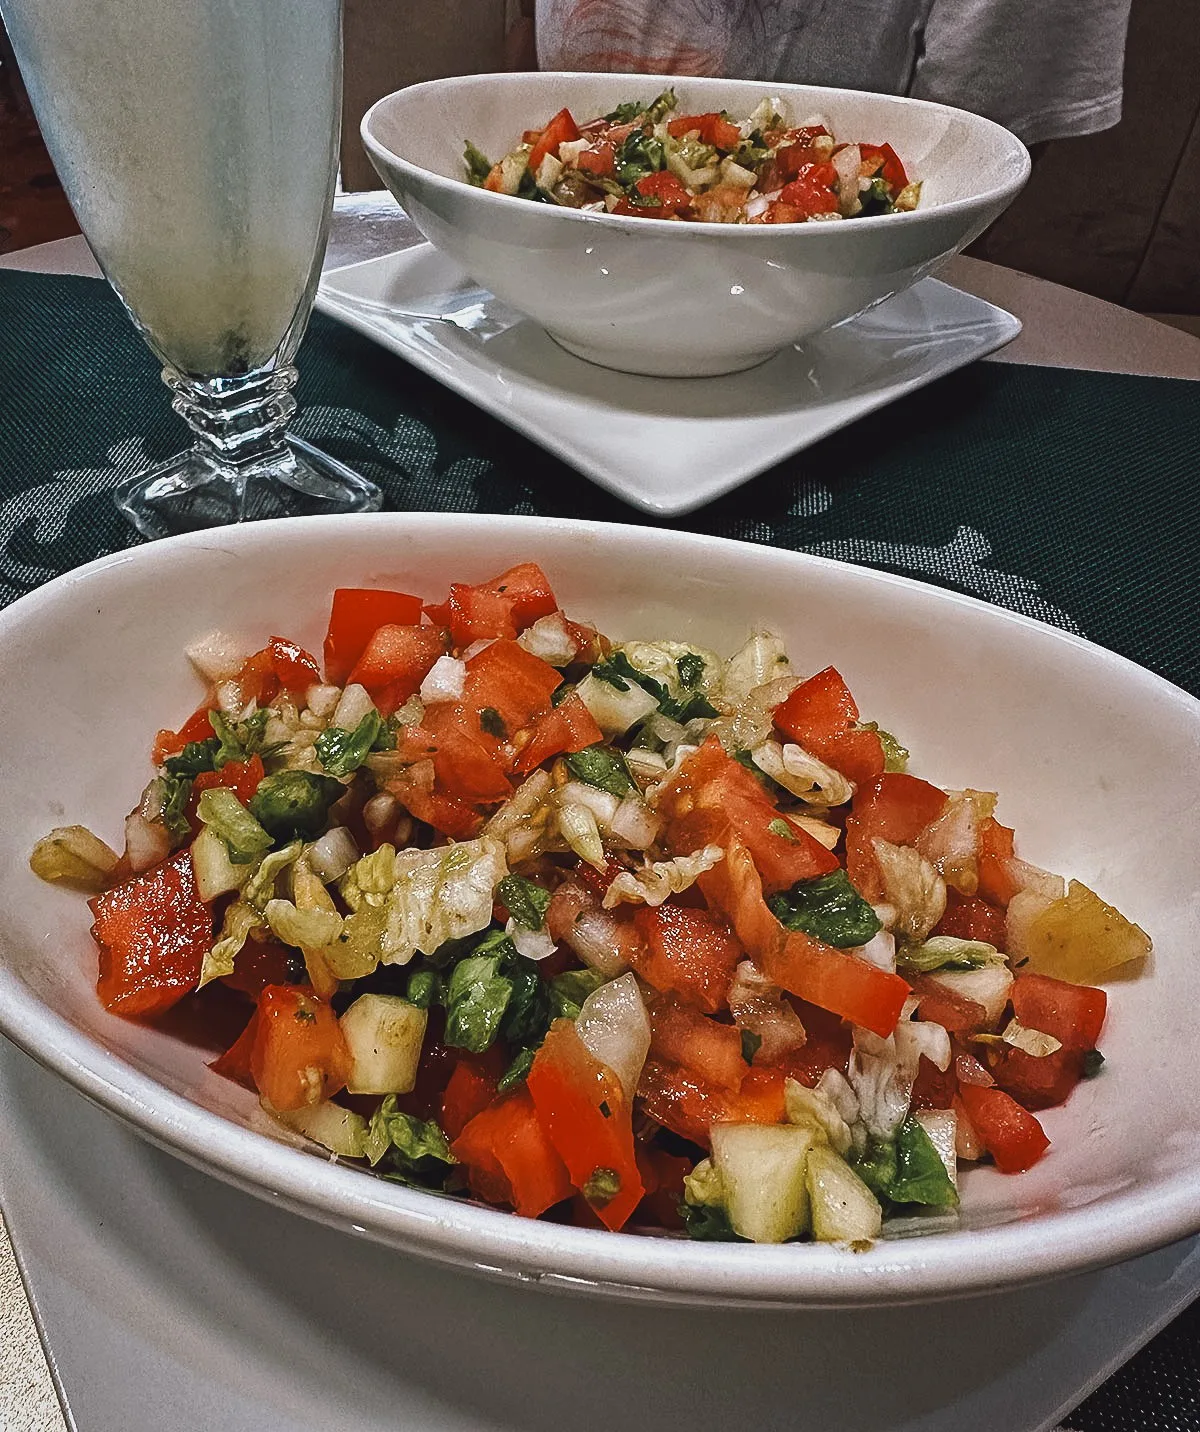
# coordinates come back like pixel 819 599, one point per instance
pixel 749 233
pixel 949 1264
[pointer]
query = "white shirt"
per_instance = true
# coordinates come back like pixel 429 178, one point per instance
pixel 1047 69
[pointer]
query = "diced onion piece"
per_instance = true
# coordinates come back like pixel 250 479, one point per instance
pixel 218 656
pixel 334 853
pixel 880 950
pixel 645 766
pixel 634 825
pixel 917 1037
pixel 72 855
pixel 989 986
pixel 802 774
pixel 322 700
pixel 355 702
pixel 847 161
pixel 758 1005
pixel 147 843
pixel 1033 1042
pixel 533 944
pixel 444 681
pixel 951 842
pixel 615 711
pixel 550 639
pixel 652 885
pixel 549 171
pixel 615 1028
pixel 821 830
pixel 577 825
pixel 762 661
pixel 913 886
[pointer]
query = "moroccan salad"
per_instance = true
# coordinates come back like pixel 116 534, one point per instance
pixel 627 934
pixel 645 161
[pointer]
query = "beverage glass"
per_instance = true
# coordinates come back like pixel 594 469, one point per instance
pixel 197 143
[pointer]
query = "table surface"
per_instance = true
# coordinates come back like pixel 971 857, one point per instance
pixel 1062 328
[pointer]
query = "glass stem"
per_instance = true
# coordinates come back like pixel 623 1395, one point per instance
pixel 240 423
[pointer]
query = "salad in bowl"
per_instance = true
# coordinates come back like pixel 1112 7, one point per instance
pixel 628 934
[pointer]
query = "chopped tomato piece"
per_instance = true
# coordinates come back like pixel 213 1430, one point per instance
pixel 241 777
pixel 968 917
pixel 688 1104
pixel 294 668
pixel 689 952
pixel 995 851
pixel 1012 1136
pixel 810 192
pixel 570 726
pixel 600 159
pixel 933 1089
pixel 587 1118
pixel 761 1099
pixel 1073 1014
pixel 259 963
pixel 822 716
pixel 511 682
pixel 471 1088
pixel 527 590
pixel 445 813
pixel 466 759
pixel 667 189
pixel 299 1055
pixel 235 1062
pixel 510 1134
pixel 892 169
pixel 153 932
pixel 561 127
pixel 947 1007
pixel 714 129
pixel 838 981
pixel 693 1040
pixel 662 1177
pixel 197 727
pixel 896 808
pixel 397 658
pixel 1038 1082
pixel 356 615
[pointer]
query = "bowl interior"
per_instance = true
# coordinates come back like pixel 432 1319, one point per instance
pixel 957 156
pixel 1096 762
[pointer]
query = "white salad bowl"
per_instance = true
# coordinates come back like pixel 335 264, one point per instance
pixel 1097 763
pixel 684 299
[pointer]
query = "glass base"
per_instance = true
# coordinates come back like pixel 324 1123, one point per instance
pixel 193 491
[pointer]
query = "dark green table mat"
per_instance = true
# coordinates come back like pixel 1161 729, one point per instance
pixel 1065 495
pixel 1068 496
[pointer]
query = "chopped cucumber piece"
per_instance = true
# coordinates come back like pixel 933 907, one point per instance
pixel 844 1210
pixel 762 1171
pixel 339 1130
pixel 384 1034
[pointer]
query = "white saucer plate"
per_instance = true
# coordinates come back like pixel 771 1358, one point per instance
pixel 665 445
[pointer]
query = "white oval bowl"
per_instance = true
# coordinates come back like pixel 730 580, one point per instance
pixel 1097 763
pixel 684 299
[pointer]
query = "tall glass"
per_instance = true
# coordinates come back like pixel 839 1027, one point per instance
pixel 197 142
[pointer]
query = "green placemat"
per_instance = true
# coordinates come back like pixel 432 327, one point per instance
pixel 1068 496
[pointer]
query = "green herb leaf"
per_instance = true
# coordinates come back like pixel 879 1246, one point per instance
pixel 603 767
pixel 1093 1062
pixel 707 1223
pixel 476 1000
pixel 341 751
pixel 618 671
pixel 690 667
pixel 568 991
pixel 527 1015
pixel 424 988
pixel 751 1044
pixel 828 908
pixel 626 113
pixel 948 952
pixel 479 166
pixel 517 1072
pixel 784 829
pixel 921 1175
pixel 416 1149
pixel 237 742
pixel 688 708
pixel 876 1165
pixel 895 756
pixel 177 791
pixel 640 154
pixel 294 804
pixel 492 722
pixel 244 837
pixel 661 106
pixel 525 902
pixel 196 756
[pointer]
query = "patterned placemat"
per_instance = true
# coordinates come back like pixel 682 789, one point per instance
pixel 1068 496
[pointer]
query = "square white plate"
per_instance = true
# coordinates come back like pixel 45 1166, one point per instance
pixel 666 445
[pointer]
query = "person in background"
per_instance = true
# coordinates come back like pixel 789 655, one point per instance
pixel 1050 69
